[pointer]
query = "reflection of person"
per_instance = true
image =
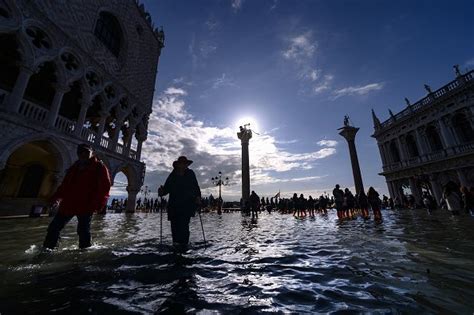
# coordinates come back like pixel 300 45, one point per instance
pixel 185 197
pixel 84 190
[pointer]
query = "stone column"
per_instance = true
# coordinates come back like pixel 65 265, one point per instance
pixel 128 144
pixel 113 142
pixel 139 147
pixel 462 178
pixel 349 133
pixel 415 191
pixel 131 199
pixel 56 104
pixel 382 155
pixel 16 96
pixel 390 189
pixel 100 129
pixel 81 119
pixel 388 153
pixel 245 135
pixel 421 145
pixel 401 150
pixel 445 134
pixel 435 187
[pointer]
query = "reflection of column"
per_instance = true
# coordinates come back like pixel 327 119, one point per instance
pixel 56 104
pixel 132 199
pixel 462 178
pixel 415 191
pixel 436 188
pixel 81 119
pixel 245 135
pixel 349 133
pixel 18 92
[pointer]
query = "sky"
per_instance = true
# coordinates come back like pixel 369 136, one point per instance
pixel 292 69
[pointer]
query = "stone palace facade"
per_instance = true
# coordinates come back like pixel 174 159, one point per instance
pixel 430 142
pixel 72 71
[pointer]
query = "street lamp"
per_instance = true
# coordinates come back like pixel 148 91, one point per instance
pixel 219 182
pixel 145 191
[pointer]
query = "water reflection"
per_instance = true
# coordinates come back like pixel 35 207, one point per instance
pixel 277 263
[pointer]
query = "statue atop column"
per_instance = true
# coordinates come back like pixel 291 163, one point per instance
pixel 245 134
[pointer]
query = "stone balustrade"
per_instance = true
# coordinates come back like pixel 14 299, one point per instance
pixel 40 114
pixel 430 157
pixel 430 99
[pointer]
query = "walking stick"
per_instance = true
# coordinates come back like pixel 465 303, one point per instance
pixel 161 220
pixel 202 227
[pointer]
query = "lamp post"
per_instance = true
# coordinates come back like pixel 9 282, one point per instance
pixel 219 182
pixel 145 191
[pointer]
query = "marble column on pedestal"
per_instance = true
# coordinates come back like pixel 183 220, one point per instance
pixel 245 135
pixel 349 133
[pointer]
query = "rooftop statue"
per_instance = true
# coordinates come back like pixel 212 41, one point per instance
pixel 346 121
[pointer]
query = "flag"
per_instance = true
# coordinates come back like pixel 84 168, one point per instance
pixel 277 195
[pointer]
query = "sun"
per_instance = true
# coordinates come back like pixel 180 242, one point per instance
pixel 247 120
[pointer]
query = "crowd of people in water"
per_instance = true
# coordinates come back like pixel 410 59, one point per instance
pixel 346 204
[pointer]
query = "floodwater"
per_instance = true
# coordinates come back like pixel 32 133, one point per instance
pixel 412 262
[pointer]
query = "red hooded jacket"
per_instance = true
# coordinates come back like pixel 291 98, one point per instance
pixel 84 191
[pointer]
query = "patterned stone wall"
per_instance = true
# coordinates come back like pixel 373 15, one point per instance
pixel 137 63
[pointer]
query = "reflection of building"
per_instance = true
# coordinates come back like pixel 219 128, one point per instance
pixel 430 142
pixel 72 72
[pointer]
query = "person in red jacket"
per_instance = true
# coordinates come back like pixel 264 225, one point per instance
pixel 84 190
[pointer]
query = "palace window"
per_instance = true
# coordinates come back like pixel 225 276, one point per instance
pixel 109 32
pixel 463 128
pixel 411 145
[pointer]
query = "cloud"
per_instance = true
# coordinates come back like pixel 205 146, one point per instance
pixel 327 143
pixel 301 47
pixel 323 85
pixel 175 91
pixel 222 81
pixel 357 90
pixel 212 24
pixel 237 4
pixel 201 50
pixel 173 131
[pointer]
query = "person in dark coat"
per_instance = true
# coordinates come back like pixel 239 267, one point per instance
pixel 84 190
pixel 374 201
pixel 254 201
pixel 184 199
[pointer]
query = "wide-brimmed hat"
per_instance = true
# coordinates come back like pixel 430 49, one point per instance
pixel 182 160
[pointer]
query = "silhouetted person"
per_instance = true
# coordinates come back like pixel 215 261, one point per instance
pixel 185 197
pixel 254 201
pixel 468 200
pixel 339 201
pixel 84 190
pixel 375 203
